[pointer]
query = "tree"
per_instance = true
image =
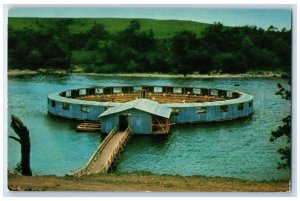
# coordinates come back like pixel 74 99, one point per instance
pixel 284 131
pixel 128 36
pixel 212 36
pixel 60 43
pixel 94 35
pixel 56 54
pixel 24 140
pixel 35 58
pixel 185 51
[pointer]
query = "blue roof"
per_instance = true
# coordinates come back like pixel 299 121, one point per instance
pixel 140 104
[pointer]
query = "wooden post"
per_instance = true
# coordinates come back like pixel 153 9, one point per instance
pixel 24 140
pixel 143 93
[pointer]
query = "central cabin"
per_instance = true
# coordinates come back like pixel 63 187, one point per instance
pixel 143 116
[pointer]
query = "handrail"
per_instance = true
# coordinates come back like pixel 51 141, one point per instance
pixel 161 126
pixel 128 131
pixel 98 150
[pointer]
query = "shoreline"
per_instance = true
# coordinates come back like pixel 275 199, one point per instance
pixel 17 72
pixel 142 182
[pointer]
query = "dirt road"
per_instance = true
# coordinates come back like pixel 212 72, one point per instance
pixel 141 182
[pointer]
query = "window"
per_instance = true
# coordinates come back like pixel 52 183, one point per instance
pixel 117 90
pixel 213 92
pixel 65 106
pixel 229 94
pixel 98 90
pixel 84 108
pixel 235 95
pixel 240 106
pixel 250 104
pixel 204 92
pixel 175 111
pixel 177 90
pixel 137 89
pixel 53 103
pixel 82 92
pixel 157 89
pixel 197 91
pixel 224 108
pixel 201 110
pixel 68 93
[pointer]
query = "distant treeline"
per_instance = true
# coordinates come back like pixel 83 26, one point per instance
pixel 217 48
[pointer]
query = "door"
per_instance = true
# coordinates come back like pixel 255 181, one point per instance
pixel 123 122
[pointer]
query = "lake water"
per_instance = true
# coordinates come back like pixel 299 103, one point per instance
pixel 238 149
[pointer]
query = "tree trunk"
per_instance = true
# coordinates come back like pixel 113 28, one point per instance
pixel 24 140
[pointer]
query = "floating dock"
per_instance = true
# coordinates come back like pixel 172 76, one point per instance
pixel 107 153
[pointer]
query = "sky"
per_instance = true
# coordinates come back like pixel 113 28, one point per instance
pixel 260 17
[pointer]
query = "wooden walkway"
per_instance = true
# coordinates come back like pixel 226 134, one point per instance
pixel 106 154
pixel 158 97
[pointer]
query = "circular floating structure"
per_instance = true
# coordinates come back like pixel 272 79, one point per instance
pixel 149 109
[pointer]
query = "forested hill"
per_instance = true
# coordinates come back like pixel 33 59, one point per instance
pixel 144 45
pixel 161 28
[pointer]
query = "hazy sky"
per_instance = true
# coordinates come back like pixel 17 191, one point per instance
pixel 280 18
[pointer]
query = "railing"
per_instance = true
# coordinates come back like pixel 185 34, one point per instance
pixel 160 97
pixel 160 127
pixel 116 151
pixel 84 169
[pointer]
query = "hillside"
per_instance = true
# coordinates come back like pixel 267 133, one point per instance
pixel 144 45
pixel 161 28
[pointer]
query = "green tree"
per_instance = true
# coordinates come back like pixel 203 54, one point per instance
pixel 35 59
pixel 56 54
pixel 284 131
pixel 96 34
pixel 283 51
pixel 48 43
pixel 136 39
pixel 185 51
pixel 213 38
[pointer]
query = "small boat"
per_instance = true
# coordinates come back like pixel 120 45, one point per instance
pixel 88 127
pixel 236 84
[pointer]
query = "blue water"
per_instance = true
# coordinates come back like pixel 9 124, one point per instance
pixel 238 149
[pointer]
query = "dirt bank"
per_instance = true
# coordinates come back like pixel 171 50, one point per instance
pixel 141 182
pixel 21 72
pixel 154 75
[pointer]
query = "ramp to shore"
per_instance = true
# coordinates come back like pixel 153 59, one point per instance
pixel 107 153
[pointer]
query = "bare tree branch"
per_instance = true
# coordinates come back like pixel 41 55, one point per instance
pixel 17 139
pixel 24 140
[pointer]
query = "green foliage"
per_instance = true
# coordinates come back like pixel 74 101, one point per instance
pixel 162 29
pixel 18 169
pixel 46 47
pixel 284 131
pixel 145 46
pixel 107 68
pixel 132 67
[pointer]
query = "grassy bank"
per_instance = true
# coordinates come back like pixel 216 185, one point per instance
pixel 141 182
pixel 161 28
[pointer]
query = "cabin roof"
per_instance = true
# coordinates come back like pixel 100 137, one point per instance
pixel 140 104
